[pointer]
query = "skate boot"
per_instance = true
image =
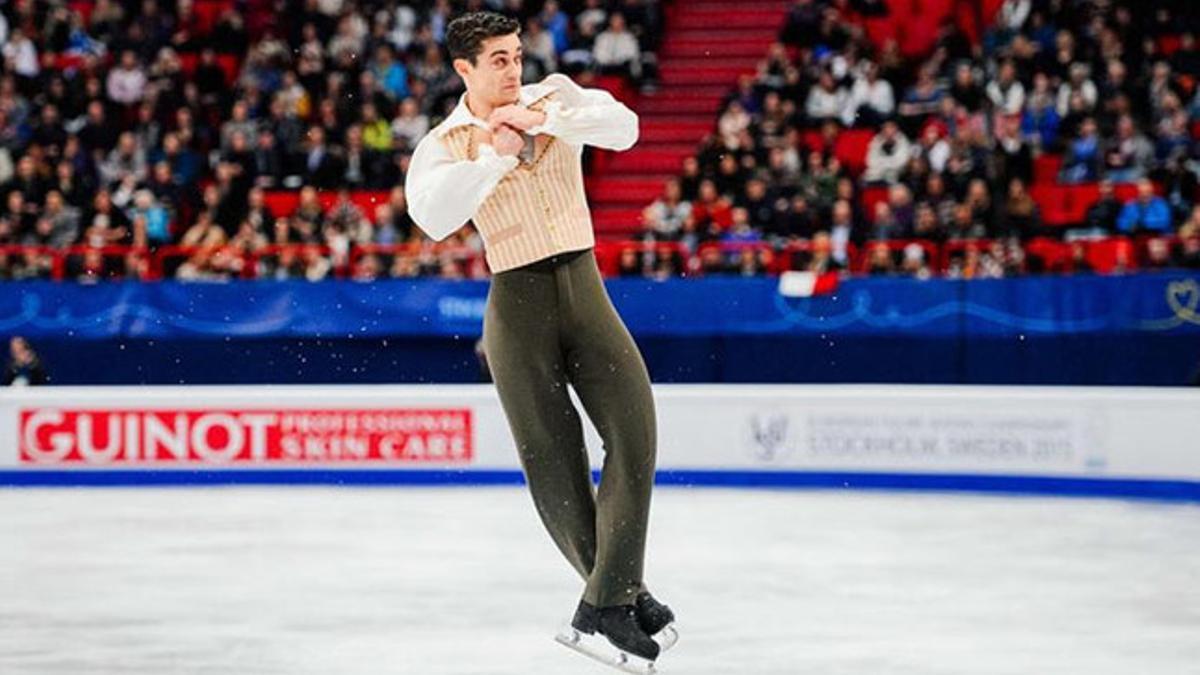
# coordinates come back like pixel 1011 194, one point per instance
pixel 657 620
pixel 629 648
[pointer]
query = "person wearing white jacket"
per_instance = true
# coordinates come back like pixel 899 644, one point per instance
pixel 887 155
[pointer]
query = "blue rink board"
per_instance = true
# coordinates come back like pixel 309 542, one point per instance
pixel 1140 329
pixel 1122 488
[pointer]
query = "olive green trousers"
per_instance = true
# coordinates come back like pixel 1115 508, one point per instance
pixel 547 325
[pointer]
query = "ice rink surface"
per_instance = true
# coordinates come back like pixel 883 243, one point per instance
pixel 463 580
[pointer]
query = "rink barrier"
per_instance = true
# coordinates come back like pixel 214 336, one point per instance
pixel 1101 442
pixel 1157 490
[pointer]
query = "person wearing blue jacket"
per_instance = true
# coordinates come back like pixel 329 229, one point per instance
pixel 1147 213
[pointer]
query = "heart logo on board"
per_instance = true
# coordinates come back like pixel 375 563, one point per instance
pixel 1184 299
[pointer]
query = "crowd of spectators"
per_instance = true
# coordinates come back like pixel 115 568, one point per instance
pixel 151 123
pixel 953 142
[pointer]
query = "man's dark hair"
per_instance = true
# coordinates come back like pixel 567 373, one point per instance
pixel 465 35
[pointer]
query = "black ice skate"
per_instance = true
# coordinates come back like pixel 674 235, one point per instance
pixel 629 647
pixel 657 620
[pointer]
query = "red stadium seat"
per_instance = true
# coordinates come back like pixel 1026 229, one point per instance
pixel 870 197
pixel 1046 168
pixel 880 30
pixel 1169 44
pixel 228 63
pixel 284 202
pixel 208 12
pixel 1055 255
pixel 281 203
pixel 188 62
pixel 231 64
pixel 1063 205
pixel 1104 254
pixel 851 148
pixel 68 61
pixel 366 200
pixel 84 9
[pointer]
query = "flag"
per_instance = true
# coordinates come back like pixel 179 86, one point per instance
pixel 807 284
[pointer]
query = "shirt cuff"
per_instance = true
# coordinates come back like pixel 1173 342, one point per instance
pixel 552 110
pixel 493 160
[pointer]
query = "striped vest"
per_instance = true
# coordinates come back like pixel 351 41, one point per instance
pixel 538 209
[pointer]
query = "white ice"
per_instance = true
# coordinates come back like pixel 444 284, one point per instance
pixel 463 580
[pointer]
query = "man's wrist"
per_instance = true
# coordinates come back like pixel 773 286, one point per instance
pixel 549 119
pixel 490 157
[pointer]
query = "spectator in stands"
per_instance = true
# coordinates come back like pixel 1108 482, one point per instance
pixel 1040 120
pixel 126 160
pixel 593 18
pixel 617 52
pixel 322 167
pixel 712 212
pixel 184 163
pixel 63 221
pixel 871 99
pixel 823 258
pixel 926 224
pixel 1079 83
pixel 1146 213
pixel 740 231
pixel 759 202
pixel 1128 156
pixel 1012 157
pixel 1082 161
pixel 923 98
pixel 794 220
pixel 1189 255
pixel 879 260
pixel 1102 216
pixel 557 23
pixel 410 125
pixel 826 101
pixel 887 155
pixel 732 124
pixel 966 90
pixel 664 218
pixel 21 59
pixel 24 367
pixel 105 224
pixel 1079 260
pixel 914 263
pixel 1159 255
pixel 239 123
pixel 1019 216
pixel 1190 229
pixel 843 231
pixel 28 183
pixel 368 268
pixel 541 56
pixel 1006 92
pixel 629 263
pixel 151 226
pixel 900 202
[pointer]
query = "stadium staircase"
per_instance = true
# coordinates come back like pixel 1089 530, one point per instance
pixel 708 44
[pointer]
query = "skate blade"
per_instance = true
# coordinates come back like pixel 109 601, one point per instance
pixel 597 648
pixel 667 637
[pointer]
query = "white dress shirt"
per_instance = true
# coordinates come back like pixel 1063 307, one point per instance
pixel 443 194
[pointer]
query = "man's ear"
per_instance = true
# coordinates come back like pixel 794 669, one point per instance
pixel 462 67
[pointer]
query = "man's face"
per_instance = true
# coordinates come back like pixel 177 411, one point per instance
pixel 495 77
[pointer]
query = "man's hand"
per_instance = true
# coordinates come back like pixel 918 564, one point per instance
pixel 507 141
pixel 516 117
